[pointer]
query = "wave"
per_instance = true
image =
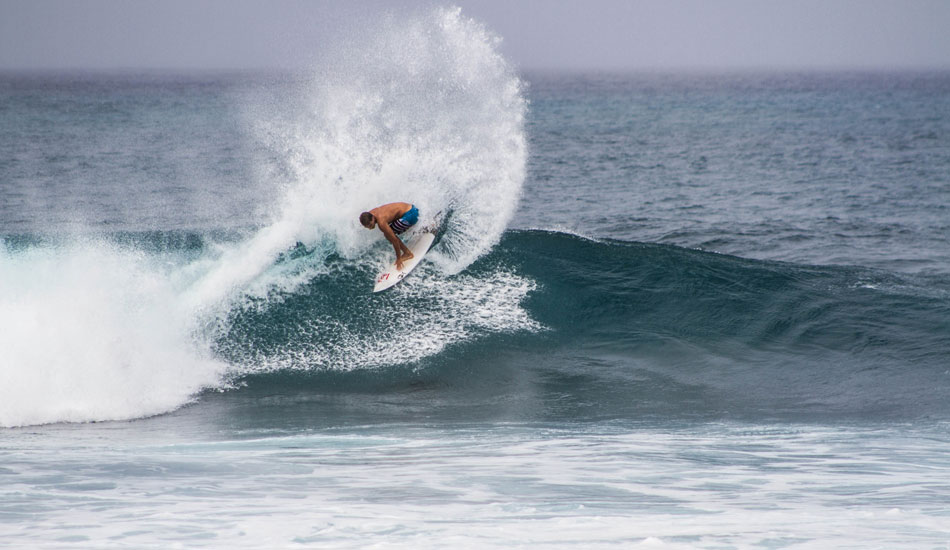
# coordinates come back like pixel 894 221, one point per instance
pixel 665 294
pixel 583 327
pixel 546 324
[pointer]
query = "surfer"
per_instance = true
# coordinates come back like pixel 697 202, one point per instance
pixel 393 219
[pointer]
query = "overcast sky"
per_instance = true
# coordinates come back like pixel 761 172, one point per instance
pixel 537 34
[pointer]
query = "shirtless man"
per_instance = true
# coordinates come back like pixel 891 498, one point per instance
pixel 393 219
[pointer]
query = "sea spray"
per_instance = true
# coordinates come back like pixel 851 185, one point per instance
pixel 421 109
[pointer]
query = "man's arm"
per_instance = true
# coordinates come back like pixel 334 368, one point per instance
pixel 385 214
pixel 402 251
pixel 392 238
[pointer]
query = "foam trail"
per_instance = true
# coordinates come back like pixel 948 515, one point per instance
pixel 440 311
pixel 237 270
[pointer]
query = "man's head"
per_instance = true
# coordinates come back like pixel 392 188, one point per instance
pixel 368 220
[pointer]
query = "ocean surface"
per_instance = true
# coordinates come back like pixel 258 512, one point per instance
pixel 666 310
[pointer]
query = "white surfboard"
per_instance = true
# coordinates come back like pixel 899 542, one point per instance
pixel 419 244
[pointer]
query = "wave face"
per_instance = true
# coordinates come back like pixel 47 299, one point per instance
pixel 554 326
pixel 676 330
pixel 422 109
pixel 546 326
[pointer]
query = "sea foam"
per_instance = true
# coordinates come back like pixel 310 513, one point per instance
pixel 93 332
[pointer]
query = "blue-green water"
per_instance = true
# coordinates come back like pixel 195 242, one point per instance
pixel 677 310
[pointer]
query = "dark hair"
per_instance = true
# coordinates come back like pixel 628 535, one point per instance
pixel 366 218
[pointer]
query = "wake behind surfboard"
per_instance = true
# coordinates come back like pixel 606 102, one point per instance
pixel 419 244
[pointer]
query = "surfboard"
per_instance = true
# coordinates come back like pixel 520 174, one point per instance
pixel 419 244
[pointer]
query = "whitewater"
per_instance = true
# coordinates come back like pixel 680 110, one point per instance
pixel 666 310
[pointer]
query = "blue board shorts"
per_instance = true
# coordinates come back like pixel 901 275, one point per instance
pixel 407 220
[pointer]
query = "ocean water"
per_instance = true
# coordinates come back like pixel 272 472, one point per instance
pixel 694 310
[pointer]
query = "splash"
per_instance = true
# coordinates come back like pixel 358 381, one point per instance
pixel 425 111
pixel 421 109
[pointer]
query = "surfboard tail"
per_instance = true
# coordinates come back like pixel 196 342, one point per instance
pixel 434 225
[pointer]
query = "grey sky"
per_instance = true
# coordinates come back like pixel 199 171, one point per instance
pixel 594 34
